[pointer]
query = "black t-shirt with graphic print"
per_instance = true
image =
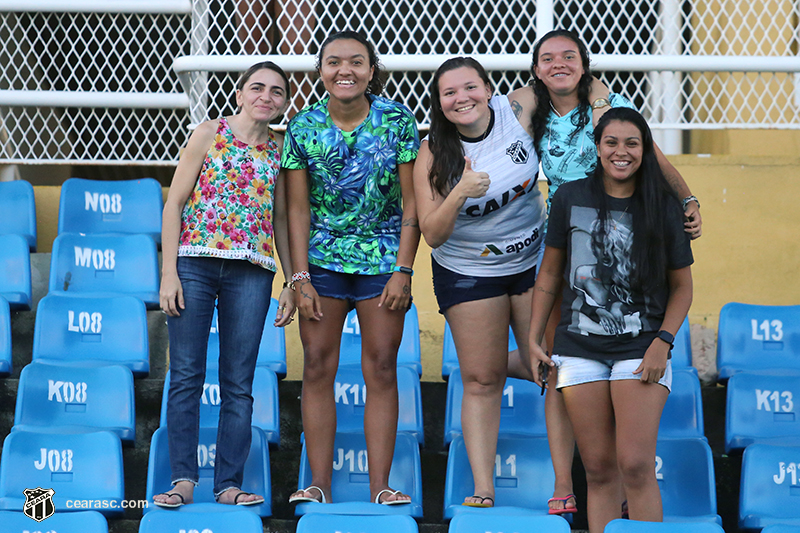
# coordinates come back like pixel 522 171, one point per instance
pixel 602 317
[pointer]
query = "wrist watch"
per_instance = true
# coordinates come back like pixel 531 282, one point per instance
pixel 667 337
pixel 688 199
pixel 601 103
pixel 288 285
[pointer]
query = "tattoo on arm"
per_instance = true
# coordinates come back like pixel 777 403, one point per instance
pixel 516 108
pixel 413 222
pixel 406 289
pixel 542 289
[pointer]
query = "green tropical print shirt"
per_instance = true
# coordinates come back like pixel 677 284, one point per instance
pixel 355 195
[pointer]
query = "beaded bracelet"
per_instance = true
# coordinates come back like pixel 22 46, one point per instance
pixel 299 276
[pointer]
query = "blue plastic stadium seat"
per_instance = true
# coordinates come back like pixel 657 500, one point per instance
pixel 757 338
pixel 106 264
pixel 256 469
pixel 682 351
pixel 333 523
pixel 60 522
pixel 5 338
pixel 683 412
pixel 17 197
pixel 781 528
pixel 409 353
pixel 201 517
pixel 505 519
pixel 525 477
pixel 350 392
pixel 99 206
pixel 15 272
pixel 77 466
pixel 521 413
pixel 450 357
pixel 762 407
pixel 685 474
pixel 633 526
pixel 350 481
pixel 770 486
pixel 72 399
pixel 265 403
pixel 271 350
pixel 100 329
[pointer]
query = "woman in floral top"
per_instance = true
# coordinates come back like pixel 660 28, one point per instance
pixel 354 234
pixel 225 206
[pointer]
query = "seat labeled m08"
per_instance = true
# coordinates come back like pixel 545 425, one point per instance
pixel 758 338
pixel 111 206
pixel 99 329
pixel 106 264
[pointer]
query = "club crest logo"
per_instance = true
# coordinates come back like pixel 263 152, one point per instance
pixel 39 503
pixel 517 153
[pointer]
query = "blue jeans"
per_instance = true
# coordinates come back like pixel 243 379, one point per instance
pixel 242 290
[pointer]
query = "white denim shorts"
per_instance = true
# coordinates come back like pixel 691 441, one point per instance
pixel 578 370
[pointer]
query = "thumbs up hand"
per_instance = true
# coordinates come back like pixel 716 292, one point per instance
pixel 473 184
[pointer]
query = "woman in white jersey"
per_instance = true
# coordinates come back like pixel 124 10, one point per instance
pixel 482 213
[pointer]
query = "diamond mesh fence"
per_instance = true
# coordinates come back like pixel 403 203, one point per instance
pixel 133 53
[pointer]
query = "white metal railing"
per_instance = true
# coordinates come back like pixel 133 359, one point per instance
pixel 90 81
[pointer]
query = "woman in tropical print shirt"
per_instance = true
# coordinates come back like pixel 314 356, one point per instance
pixel 353 225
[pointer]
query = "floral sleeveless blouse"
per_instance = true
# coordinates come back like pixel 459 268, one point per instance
pixel 229 213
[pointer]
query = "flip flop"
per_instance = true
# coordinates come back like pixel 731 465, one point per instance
pixel 300 499
pixel 481 504
pixel 393 502
pixel 565 509
pixel 166 505
pixel 243 493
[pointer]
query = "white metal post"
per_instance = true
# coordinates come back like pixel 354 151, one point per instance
pixel 199 39
pixel 669 83
pixel 545 17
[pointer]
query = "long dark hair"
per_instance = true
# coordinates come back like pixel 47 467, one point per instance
pixel 652 199
pixel 378 78
pixel 443 140
pixel 539 116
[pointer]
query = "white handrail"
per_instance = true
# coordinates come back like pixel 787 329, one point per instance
pixel 122 100
pixel 413 62
pixel 96 6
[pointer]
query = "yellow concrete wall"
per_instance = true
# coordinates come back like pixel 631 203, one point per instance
pixel 749 252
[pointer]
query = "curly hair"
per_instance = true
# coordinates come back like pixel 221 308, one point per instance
pixel 378 80
pixel 539 116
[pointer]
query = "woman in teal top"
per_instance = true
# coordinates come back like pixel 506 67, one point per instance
pixel 353 226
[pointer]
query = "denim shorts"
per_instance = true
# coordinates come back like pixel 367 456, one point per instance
pixel 350 287
pixel 579 370
pixel 452 288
